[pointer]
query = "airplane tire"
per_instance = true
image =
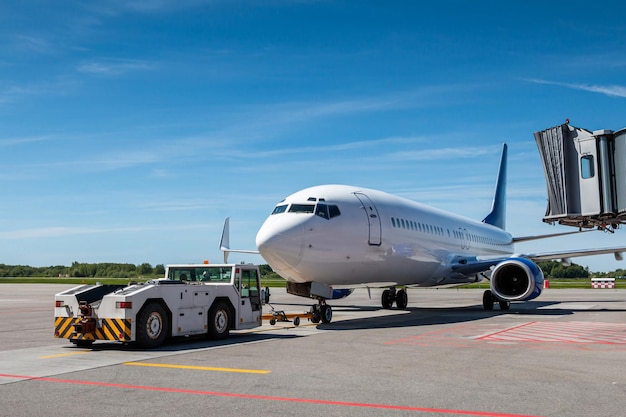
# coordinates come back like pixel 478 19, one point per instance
pixel 488 300
pixel 386 300
pixel 316 315
pixel 402 300
pixel 504 305
pixel 327 314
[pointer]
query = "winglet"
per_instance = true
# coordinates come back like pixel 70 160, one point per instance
pixel 497 216
pixel 225 241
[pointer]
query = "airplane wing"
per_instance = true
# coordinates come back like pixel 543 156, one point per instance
pixel 476 266
pixel 548 256
pixel 537 237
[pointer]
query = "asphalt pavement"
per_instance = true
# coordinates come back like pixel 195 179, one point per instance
pixel 560 355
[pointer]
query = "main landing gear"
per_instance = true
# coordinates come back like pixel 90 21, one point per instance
pixel 321 312
pixel 489 300
pixel 391 295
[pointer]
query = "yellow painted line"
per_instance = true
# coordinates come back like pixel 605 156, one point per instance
pixel 198 368
pixel 63 354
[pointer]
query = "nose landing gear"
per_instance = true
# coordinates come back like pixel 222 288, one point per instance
pixel 321 312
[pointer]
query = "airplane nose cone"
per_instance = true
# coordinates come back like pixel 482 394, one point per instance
pixel 280 243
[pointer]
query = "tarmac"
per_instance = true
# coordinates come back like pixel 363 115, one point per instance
pixel 562 354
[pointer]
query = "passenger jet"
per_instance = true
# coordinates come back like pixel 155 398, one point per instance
pixel 329 239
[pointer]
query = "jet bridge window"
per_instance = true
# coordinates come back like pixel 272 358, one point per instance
pixel 302 208
pixel 586 166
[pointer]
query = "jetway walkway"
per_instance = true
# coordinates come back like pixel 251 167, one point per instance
pixel 585 176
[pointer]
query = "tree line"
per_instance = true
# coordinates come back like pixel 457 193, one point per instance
pixel 85 270
pixel 98 270
pixel 551 269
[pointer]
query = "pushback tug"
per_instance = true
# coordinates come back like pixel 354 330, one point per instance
pixel 191 299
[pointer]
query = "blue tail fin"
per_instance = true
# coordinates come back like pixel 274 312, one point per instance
pixel 497 216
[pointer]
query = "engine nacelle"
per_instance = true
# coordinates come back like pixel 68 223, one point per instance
pixel 516 279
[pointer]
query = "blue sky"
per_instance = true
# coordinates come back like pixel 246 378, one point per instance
pixel 131 129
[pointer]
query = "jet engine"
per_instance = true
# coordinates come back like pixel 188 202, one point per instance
pixel 516 279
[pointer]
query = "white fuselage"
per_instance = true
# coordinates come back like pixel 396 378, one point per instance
pixel 349 236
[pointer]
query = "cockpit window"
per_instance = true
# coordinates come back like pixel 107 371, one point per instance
pixel 302 208
pixel 327 211
pixel 281 208
pixel 322 211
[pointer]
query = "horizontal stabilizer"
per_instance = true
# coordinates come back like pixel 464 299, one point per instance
pixel 225 242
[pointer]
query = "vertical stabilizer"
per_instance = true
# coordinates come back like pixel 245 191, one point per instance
pixel 497 216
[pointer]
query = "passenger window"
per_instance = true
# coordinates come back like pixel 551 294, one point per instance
pixel 586 166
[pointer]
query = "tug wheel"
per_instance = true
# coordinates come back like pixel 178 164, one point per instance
pixel 152 326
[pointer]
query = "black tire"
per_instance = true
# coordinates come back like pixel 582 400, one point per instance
pixel 504 305
pixel 386 300
pixel 296 321
pixel 316 314
pixel 219 321
pixel 488 300
pixel 152 326
pixel 327 314
pixel 402 300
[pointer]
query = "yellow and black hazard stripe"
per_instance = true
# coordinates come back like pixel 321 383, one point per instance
pixel 64 326
pixel 112 329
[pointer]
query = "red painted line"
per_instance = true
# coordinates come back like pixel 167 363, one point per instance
pixel 563 333
pixel 267 398
pixel 495 334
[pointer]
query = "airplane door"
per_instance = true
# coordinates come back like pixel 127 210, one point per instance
pixel 464 235
pixel 373 219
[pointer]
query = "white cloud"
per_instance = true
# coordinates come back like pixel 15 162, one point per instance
pixel 24 140
pixel 446 153
pixel 115 66
pixel 52 232
pixel 609 90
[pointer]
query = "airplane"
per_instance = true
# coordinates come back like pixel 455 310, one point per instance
pixel 327 240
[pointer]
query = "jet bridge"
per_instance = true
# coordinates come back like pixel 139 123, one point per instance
pixel 585 176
